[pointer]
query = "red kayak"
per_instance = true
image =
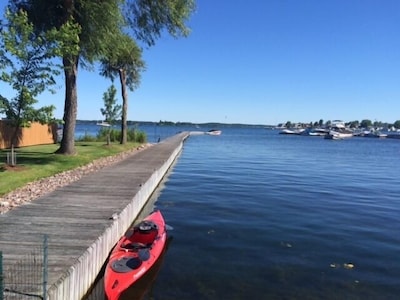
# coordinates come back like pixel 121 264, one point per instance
pixel 135 254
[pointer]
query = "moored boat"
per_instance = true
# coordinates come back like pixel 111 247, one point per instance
pixel 338 135
pixel 394 135
pixel 374 134
pixel 338 131
pixel 134 254
pixel 315 132
pixel 103 124
pixel 214 132
pixel 292 131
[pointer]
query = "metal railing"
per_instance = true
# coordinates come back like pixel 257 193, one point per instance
pixel 27 278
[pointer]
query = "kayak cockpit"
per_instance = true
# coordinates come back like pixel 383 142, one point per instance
pixel 140 237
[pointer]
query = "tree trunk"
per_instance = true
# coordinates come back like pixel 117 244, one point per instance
pixel 67 146
pixel 124 122
pixel 16 136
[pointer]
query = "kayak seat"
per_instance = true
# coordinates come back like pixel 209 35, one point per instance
pixel 144 238
pixel 126 264
pixel 141 236
pixel 134 246
pixel 144 233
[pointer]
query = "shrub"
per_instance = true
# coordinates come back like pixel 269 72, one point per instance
pixel 133 135
pixel 87 138
pixel 138 136
pixel 115 135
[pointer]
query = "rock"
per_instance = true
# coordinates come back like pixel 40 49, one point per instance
pixel 39 188
pixel 4 204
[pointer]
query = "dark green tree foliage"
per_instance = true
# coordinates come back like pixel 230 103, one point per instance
pixel 149 18
pixel 366 123
pixel 26 67
pixel 354 124
pixel 99 23
pixel 378 124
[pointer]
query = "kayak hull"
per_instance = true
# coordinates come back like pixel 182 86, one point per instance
pixel 134 254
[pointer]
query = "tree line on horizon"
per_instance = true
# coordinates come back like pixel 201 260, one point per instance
pixel 36 47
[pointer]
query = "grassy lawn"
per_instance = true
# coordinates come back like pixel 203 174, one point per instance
pixel 36 162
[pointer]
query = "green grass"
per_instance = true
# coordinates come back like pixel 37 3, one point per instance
pixel 36 162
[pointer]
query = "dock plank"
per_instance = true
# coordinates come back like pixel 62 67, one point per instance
pixel 77 218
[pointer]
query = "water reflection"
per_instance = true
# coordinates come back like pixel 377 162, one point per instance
pixel 142 289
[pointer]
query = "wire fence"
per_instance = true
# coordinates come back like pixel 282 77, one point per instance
pixel 27 278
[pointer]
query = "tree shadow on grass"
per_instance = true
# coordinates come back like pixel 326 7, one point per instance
pixel 24 159
pixel 16 168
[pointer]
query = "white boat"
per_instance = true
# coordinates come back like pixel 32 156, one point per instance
pixel 336 134
pixel 214 132
pixel 374 134
pixel 338 131
pixel 333 135
pixel 315 132
pixel 292 131
pixel 104 124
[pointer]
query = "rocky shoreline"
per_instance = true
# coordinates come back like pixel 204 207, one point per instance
pixel 39 188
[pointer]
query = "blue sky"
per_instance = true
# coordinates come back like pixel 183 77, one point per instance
pixel 265 62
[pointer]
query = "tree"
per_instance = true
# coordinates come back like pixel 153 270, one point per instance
pixel 26 67
pixel 377 124
pixel 149 18
pixel 366 123
pixel 99 21
pixel 354 124
pixel 111 110
pixel 124 60
pixel 396 124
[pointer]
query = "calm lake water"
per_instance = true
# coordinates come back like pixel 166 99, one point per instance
pixel 258 215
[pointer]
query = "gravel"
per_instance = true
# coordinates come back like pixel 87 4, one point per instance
pixel 39 188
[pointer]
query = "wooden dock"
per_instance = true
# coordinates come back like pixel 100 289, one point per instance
pixel 85 219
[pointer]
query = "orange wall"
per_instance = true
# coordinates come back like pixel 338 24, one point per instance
pixel 36 134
